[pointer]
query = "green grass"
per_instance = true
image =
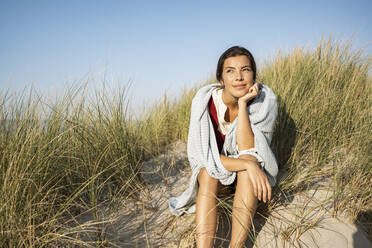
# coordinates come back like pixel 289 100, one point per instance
pixel 65 158
pixel 61 161
pixel 325 112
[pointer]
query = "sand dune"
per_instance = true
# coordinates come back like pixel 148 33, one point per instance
pixel 302 220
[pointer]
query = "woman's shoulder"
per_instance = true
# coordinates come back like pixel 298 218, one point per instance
pixel 205 91
pixel 209 87
pixel 201 100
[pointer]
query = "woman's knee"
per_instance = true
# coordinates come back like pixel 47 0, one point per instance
pixel 244 193
pixel 206 181
pixel 244 183
pixel 242 176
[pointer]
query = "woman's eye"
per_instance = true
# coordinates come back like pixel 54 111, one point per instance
pixel 246 69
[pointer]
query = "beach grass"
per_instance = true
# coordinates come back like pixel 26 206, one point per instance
pixel 324 123
pixel 66 158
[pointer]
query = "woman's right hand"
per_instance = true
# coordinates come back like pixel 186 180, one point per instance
pixel 261 185
pixel 253 92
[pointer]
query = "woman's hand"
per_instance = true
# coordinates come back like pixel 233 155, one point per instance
pixel 261 185
pixel 253 92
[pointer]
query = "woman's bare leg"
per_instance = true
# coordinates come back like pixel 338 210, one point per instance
pixel 244 208
pixel 206 209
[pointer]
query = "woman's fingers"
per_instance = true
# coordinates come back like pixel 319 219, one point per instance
pixel 254 90
pixel 264 190
pixel 254 184
pixel 269 189
pixel 259 191
pixel 255 86
pixel 261 185
pixel 255 189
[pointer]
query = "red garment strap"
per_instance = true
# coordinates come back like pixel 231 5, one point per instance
pixel 213 114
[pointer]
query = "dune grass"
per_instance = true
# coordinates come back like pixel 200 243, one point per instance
pixel 325 112
pixel 62 159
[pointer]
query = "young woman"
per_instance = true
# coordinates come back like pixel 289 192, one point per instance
pixel 231 126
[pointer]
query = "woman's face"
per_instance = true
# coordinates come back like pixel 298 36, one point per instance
pixel 237 76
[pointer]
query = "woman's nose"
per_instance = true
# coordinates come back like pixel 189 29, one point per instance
pixel 239 76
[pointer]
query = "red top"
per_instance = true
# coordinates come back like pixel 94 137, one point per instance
pixel 219 136
pixel 213 114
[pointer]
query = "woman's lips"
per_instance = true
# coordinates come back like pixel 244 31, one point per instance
pixel 239 86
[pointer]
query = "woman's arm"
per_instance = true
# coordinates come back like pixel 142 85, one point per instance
pixel 237 164
pixel 244 134
pixel 245 140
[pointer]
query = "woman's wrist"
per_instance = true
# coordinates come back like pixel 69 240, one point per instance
pixel 242 104
pixel 249 163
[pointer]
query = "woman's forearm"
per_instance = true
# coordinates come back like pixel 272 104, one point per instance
pixel 237 164
pixel 244 134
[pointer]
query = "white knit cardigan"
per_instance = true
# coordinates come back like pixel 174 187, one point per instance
pixel 202 150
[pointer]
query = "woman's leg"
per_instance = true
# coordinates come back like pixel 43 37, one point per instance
pixel 244 208
pixel 206 209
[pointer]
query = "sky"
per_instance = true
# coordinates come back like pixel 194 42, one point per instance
pixel 158 46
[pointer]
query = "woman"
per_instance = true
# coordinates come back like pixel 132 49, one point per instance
pixel 231 126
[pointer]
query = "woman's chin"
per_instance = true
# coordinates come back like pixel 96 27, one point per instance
pixel 237 93
pixel 240 93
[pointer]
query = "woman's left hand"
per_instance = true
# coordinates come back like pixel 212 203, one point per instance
pixel 260 182
pixel 253 92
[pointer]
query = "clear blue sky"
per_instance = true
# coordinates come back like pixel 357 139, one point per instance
pixel 158 45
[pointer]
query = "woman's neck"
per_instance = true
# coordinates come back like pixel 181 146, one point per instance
pixel 230 101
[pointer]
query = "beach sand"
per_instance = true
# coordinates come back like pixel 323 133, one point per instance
pixel 301 220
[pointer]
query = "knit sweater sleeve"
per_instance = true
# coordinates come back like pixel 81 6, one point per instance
pixel 262 113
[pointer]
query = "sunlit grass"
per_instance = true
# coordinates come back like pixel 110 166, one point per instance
pixel 323 130
pixel 325 112
pixel 61 159
pixel 66 158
